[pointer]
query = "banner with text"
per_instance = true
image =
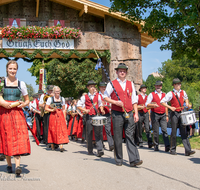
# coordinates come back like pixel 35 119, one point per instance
pixel 38 43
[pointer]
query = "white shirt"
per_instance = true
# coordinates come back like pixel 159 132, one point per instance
pixel 143 96
pixel 23 87
pixel 104 101
pixel 41 101
pixel 81 102
pixel 72 108
pixel 150 97
pixel 109 90
pixel 169 96
pixel 49 101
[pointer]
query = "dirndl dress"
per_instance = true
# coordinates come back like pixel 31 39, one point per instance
pixel 57 131
pixel 14 137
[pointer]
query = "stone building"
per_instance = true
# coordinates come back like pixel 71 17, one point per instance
pixel 101 30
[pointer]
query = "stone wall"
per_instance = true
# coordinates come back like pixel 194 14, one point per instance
pixel 121 38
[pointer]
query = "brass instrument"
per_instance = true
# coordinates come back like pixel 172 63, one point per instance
pixel 42 108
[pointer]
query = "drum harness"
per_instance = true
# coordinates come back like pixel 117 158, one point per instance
pixel 177 99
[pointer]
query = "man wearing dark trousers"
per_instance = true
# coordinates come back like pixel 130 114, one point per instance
pixel 92 102
pixel 126 92
pixel 143 116
pixel 159 116
pixel 102 87
pixel 177 97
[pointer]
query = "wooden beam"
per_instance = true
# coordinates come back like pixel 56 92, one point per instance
pixel 83 10
pixel 3 2
pixel 37 7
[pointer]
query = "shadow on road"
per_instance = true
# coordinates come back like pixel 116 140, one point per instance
pixel 3 168
pixel 195 160
pixel 189 185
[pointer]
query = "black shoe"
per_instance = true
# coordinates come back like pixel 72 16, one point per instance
pixel 133 164
pixel 100 153
pixel 9 169
pixel 167 148
pixel 48 146
pixel 18 171
pixel 150 145
pixel 62 150
pixel 2 157
pixel 190 153
pixel 111 148
pixel 83 140
pixel 156 148
pixel 140 145
pixel 90 153
pixel 119 164
pixel 173 153
pixel 56 146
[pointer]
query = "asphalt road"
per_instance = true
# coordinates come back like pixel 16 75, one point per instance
pixel 74 169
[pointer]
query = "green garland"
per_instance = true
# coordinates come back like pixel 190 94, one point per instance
pixel 31 57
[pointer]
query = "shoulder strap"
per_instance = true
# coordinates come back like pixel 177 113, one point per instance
pixel 177 98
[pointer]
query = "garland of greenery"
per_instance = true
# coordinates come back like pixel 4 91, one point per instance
pixel 31 57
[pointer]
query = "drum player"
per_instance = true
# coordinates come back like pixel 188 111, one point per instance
pixel 92 101
pixel 177 97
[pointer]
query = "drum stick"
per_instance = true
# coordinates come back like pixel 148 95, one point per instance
pixel 126 114
pixel 91 107
pixel 180 107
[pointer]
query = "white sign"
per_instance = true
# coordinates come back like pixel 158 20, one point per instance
pixel 38 43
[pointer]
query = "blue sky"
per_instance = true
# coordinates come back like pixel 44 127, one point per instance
pixel 152 57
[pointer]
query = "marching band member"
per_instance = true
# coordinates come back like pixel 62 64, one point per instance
pixel 143 116
pixel 177 97
pixel 37 124
pixel 126 92
pixel 46 115
pixel 91 110
pixel 73 121
pixel 159 116
pixel 14 138
pixel 102 87
pixel 57 130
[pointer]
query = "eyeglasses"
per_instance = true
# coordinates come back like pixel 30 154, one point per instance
pixel 121 71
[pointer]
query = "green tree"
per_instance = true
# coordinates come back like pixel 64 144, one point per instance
pixel 70 75
pixel 174 20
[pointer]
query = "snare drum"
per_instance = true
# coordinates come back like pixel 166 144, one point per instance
pixel 188 118
pixel 99 120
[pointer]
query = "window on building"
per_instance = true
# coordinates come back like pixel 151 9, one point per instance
pixel 14 23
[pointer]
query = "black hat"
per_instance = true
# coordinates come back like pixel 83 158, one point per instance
pixel 143 86
pixel 103 84
pixel 91 82
pixel 175 81
pixel 40 92
pixel 122 66
pixel 158 82
pixel 50 87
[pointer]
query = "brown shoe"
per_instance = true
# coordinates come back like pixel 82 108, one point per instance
pixel 133 164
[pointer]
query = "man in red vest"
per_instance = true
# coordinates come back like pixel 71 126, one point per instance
pixel 126 92
pixel 92 102
pixel 159 116
pixel 143 116
pixel 177 97
pixel 102 87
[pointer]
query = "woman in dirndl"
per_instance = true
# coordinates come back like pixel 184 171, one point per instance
pixel 14 137
pixel 57 131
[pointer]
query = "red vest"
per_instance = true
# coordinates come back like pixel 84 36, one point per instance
pixel 174 101
pixel 88 104
pixel 125 96
pixel 160 109
pixel 142 102
pixel 37 104
pixel 106 108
